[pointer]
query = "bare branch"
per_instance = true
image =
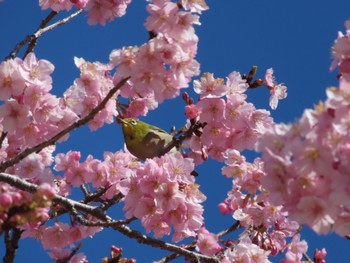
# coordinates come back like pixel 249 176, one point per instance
pixel 2 138
pixel 12 237
pixel 31 40
pixel 62 133
pixel 308 259
pixel 43 30
pixel 232 228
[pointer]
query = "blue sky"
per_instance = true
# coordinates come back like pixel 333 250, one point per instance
pixel 293 37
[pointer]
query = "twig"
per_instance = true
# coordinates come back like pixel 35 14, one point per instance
pixel 73 252
pixel 110 223
pixel 232 228
pixel 62 133
pixel 12 237
pixel 185 134
pixel 42 30
pixel 308 259
pixel 173 256
pixel 2 138
pixel 31 40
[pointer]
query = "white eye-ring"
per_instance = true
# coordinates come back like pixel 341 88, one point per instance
pixel 133 122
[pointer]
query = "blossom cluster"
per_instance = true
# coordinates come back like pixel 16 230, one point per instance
pixel 267 226
pixel 309 163
pixel 163 194
pixel 89 90
pixel 99 11
pixel 161 191
pixel 166 63
pixel 231 121
pixel 341 52
pixel 26 209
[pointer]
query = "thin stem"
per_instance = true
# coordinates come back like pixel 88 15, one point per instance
pixel 2 138
pixel 32 40
pixel 62 133
pixel 232 228
pixel 42 29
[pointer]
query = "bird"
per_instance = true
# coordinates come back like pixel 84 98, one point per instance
pixel 144 140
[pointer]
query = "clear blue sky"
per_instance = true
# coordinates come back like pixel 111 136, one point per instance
pixel 293 37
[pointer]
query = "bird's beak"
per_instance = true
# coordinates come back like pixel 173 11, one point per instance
pixel 121 120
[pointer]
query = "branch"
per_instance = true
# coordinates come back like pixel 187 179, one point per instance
pixel 143 239
pixel 43 30
pixel 31 40
pixel 308 259
pixel 121 227
pixel 192 246
pixel 12 236
pixel 69 257
pixel 2 138
pixel 68 203
pixel 62 133
pixel 232 228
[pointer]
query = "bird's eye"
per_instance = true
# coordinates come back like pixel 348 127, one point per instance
pixel 133 122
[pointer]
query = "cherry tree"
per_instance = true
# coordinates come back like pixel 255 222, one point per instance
pixel 300 178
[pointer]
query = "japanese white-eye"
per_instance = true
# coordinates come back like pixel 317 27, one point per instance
pixel 144 140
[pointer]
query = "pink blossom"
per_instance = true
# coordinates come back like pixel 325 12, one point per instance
pixel 191 111
pixel 125 60
pixel 56 236
pixel 37 72
pixel 163 16
pixel 320 255
pixel 209 87
pixel 65 161
pixel 341 48
pixel 11 82
pixel 245 251
pixel 211 110
pixel 207 243
pixel 55 5
pixel 80 3
pixel 195 5
pixel 30 167
pixel 277 91
pixel 5 202
pixel 46 190
pixel 295 250
pixel 96 172
pixel 57 254
pixel 236 84
pixel 137 107
pixel 101 11
pixel 314 212
pixel 15 116
pixel 237 112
